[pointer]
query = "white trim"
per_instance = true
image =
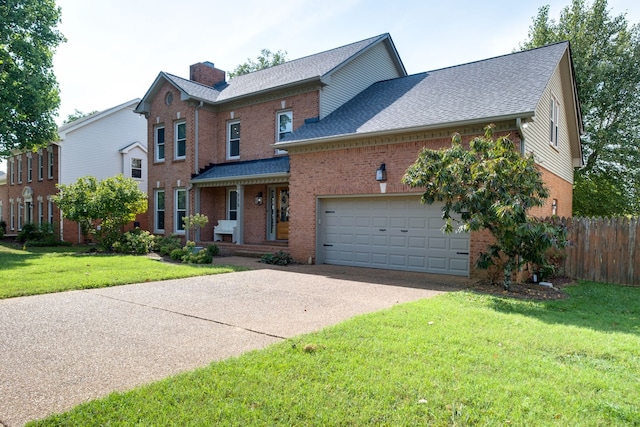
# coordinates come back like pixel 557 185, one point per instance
pixel 176 222
pixel 229 124
pixel 156 158
pixel 176 140
pixel 157 229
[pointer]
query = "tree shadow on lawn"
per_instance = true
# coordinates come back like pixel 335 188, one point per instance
pixel 598 306
pixel 13 256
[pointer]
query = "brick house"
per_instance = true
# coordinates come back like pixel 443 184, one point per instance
pixel 309 154
pixel 102 145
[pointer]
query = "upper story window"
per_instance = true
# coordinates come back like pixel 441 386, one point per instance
pixel 19 170
pixel 12 171
pixel 233 140
pixel 40 166
pixel 50 164
pixel 284 123
pixel 159 144
pixel 181 140
pixel 29 168
pixel 553 122
pixel 136 168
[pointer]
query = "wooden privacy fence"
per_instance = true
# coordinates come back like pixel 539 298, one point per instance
pixel 603 250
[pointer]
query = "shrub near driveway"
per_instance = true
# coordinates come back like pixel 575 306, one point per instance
pixel 457 359
pixel 45 270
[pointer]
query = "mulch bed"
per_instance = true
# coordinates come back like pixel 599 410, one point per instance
pixel 530 291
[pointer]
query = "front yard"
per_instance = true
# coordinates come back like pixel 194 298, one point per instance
pixel 45 270
pixel 459 359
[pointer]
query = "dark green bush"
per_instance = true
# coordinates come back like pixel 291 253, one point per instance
pixel 278 258
pixel 138 242
pixel 166 244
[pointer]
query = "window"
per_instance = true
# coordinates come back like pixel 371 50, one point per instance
pixel 12 171
pixel 40 166
pixel 159 215
pixel 553 128
pixel 554 207
pixel 159 144
pixel 29 168
pixel 40 211
pixel 181 140
pixel 19 170
pixel 50 211
pixel 284 122
pixel 50 164
pixel 12 214
pixel 233 140
pixel 1 212
pixel 232 205
pixel 181 209
pixel 136 168
pixel 20 209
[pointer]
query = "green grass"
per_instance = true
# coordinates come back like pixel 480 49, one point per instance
pixel 460 359
pixel 45 270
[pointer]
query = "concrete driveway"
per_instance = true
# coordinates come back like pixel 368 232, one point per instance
pixel 59 350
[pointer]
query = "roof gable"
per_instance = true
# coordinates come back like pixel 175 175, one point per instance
pixel 299 71
pixel 504 87
pixel 84 121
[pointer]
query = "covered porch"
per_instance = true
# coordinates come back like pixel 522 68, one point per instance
pixel 247 204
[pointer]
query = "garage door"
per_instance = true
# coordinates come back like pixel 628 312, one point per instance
pixel 397 233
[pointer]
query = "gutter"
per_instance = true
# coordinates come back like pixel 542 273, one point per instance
pixel 350 136
pixel 520 127
pixel 196 139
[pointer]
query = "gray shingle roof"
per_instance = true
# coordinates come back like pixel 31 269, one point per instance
pixel 250 168
pixel 313 67
pixel 508 85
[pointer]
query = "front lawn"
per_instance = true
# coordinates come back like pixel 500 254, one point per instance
pixel 459 359
pixel 45 270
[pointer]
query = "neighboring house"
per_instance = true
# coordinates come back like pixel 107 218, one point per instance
pixel 102 145
pixel 310 153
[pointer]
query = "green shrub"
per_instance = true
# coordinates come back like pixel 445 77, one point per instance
pixel 3 228
pixel 138 242
pixel 29 231
pixel 176 254
pixel 166 244
pixel 278 258
pixel 189 255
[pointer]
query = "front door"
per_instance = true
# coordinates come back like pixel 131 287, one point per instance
pixel 282 213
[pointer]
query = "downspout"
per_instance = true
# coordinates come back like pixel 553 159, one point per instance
pixel 520 127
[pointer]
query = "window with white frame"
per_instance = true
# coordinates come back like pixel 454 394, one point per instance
pixel 12 171
pixel 40 211
pixel 20 210
pixel 159 143
pixel 40 166
pixel 12 214
pixel 50 211
pixel 553 122
pixel 232 205
pixel 159 211
pixel 136 168
pixel 1 211
pixel 284 124
pixel 50 162
pixel 233 140
pixel 19 170
pixel 180 209
pixel 29 168
pixel 181 140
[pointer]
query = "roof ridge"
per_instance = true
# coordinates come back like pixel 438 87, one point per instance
pixel 498 56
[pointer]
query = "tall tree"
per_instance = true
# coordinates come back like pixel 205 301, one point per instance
pixel 266 59
pixel 29 94
pixel 606 56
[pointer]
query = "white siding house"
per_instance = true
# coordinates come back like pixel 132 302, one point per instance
pixel 103 145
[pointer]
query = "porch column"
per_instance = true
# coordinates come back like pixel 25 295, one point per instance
pixel 240 221
pixel 196 203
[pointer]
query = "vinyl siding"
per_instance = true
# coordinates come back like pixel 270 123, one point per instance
pixel 93 149
pixel 371 66
pixel 537 134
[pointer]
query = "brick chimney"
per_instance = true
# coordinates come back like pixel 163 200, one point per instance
pixel 206 74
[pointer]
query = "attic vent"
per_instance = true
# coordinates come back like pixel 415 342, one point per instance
pixel 168 99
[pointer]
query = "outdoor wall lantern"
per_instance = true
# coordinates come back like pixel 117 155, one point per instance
pixel 381 173
pixel 259 198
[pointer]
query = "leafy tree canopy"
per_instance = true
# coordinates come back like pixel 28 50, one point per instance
pixel 606 56
pixel 266 59
pixel 29 95
pixel 489 186
pixel 76 115
pixel 110 203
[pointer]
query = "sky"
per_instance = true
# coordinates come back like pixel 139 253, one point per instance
pixel 116 48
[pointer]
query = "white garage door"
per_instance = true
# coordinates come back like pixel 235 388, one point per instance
pixel 397 233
